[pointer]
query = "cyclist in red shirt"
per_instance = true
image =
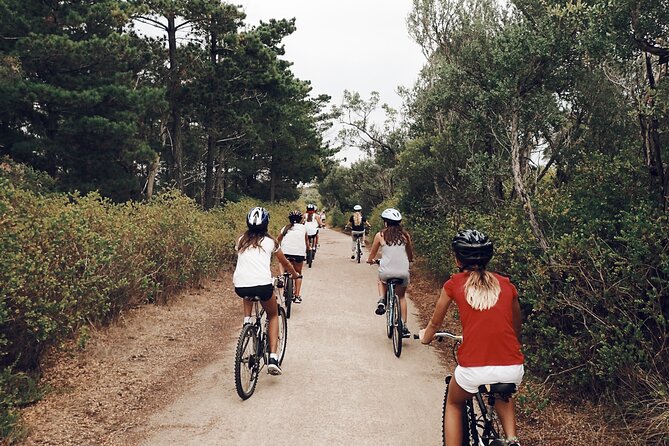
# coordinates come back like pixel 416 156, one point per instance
pixel 490 317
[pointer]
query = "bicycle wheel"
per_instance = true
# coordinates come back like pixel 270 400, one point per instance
pixel 390 294
pixel 247 362
pixel 358 251
pixel 309 257
pixel 283 334
pixel 465 424
pixel 470 426
pixel 488 427
pixel 397 327
pixel 288 294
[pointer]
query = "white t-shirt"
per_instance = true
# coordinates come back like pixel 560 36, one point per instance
pixel 312 226
pixel 253 265
pixel 293 242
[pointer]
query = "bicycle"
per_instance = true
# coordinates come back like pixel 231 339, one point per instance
pixel 252 352
pixel 394 322
pixel 358 247
pixel 287 297
pixel 311 250
pixel 480 424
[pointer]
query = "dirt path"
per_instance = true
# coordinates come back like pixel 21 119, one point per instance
pixel 164 374
pixel 341 382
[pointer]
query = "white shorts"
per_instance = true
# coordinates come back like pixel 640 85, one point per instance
pixel 470 378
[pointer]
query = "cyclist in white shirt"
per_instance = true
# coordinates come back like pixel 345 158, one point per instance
pixel 312 222
pixel 294 243
pixel 253 276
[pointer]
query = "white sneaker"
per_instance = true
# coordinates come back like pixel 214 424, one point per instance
pixel 273 367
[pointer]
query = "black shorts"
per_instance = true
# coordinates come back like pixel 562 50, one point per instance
pixel 296 259
pixel 262 292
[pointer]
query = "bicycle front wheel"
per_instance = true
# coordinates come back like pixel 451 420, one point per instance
pixel 283 334
pixel 288 295
pixel 397 327
pixel 247 362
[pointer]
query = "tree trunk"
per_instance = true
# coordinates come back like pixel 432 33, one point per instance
pixel 219 188
pixel 176 173
pixel 151 176
pixel 209 180
pixel 517 158
pixel 272 175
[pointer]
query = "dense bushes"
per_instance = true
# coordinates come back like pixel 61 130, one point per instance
pixel 70 260
pixel 596 304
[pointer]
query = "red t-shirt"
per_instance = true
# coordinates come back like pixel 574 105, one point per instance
pixel 488 335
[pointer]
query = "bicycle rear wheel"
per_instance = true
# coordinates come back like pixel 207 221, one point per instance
pixel 309 257
pixel 463 415
pixel 358 251
pixel 491 431
pixel 397 327
pixel 390 295
pixel 283 334
pixel 288 294
pixel 247 362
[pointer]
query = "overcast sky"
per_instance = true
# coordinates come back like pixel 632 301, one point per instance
pixel 356 45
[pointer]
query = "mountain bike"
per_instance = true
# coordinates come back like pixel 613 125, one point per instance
pixel 252 353
pixel 358 247
pixel 480 424
pixel 286 291
pixel 311 249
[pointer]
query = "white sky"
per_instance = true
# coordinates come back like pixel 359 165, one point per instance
pixel 355 45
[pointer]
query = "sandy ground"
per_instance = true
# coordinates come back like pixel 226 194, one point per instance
pixel 163 375
pixel 341 384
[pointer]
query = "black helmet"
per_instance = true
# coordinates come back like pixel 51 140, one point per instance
pixel 295 216
pixel 257 219
pixel 472 247
pixel 311 207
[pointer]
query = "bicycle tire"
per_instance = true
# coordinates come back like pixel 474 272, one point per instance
pixel 247 362
pixel 283 334
pixel 309 258
pixel 465 429
pixel 288 294
pixel 488 427
pixel 389 312
pixel 397 327
pixel 358 251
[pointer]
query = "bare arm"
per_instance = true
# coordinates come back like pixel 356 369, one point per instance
pixel 375 248
pixel 440 310
pixel 286 264
pixel 280 237
pixel 409 248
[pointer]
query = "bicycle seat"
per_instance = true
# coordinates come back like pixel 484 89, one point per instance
pixel 394 281
pixel 500 388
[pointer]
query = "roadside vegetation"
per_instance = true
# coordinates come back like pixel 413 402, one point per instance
pixel 543 124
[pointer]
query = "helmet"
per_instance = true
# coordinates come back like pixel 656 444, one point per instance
pixel 357 207
pixel 311 207
pixel 257 218
pixel 391 214
pixel 472 247
pixel 294 216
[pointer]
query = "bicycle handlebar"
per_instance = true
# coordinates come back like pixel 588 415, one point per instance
pixel 441 335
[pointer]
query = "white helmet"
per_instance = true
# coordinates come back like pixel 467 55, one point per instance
pixel 257 218
pixel 357 207
pixel 391 215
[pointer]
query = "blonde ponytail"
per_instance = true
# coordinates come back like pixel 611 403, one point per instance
pixel 481 289
pixel 357 218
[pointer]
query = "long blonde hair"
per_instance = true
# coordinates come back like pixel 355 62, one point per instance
pixel 481 289
pixel 357 218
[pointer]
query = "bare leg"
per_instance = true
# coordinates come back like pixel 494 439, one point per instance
pixel 401 290
pixel 271 309
pixel 298 282
pixel 248 307
pixel 454 404
pixel 507 415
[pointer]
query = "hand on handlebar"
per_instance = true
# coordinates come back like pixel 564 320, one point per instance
pixel 421 336
pixel 373 261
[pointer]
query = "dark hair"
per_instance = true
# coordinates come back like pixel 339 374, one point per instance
pixel 253 239
pixel 395 235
